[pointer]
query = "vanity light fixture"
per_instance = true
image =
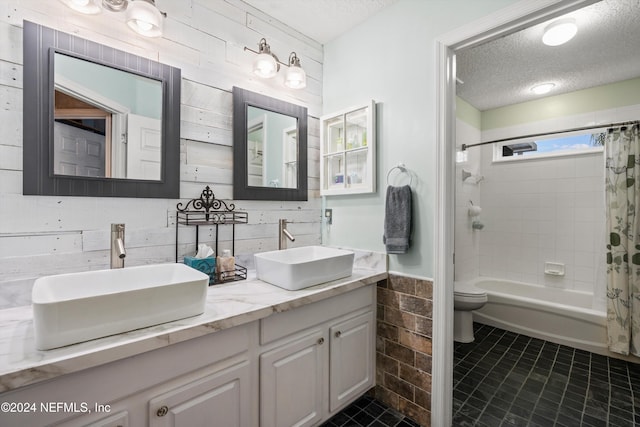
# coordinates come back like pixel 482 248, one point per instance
pixel 88 7
pixel 142 16
pixel 559 32
pixel 542 88
pixel 267 65
pixel 295 77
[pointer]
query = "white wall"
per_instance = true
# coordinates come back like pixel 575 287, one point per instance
pixel 205 38
pixel 391 58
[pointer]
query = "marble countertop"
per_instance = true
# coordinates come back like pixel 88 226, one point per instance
pixel 228 305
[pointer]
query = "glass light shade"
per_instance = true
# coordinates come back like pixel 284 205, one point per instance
pixel 543 88
pixel 265 66
pixel 295 77
pixel 88 7
pixel 559 32
pixel 144 18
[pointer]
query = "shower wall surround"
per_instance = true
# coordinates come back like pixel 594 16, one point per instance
pixel 467 240
pixel 538 210
pixel 49 235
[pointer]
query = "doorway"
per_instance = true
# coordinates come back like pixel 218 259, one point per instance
pixel 503 22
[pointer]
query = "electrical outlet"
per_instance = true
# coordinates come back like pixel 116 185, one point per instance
pixel 328 216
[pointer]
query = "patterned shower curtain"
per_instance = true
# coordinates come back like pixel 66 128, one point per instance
pixel 622 177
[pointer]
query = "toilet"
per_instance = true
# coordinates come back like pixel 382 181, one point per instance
pixel 466 297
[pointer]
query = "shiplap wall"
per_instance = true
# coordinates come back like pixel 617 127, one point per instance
pixel 43 235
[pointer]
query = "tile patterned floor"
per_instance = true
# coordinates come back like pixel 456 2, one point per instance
pixel 369 412
pixel 506 379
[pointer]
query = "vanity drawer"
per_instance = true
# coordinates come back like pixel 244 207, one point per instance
pixel 282 324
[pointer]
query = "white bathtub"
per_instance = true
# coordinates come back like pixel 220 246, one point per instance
pixel 557 315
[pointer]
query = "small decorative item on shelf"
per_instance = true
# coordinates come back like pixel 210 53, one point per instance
pixel 226 266
pixel 203 261
pixel 209 211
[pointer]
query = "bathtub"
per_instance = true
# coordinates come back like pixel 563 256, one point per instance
pixel 558 315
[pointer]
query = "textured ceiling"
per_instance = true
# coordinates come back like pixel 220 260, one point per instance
pixel 605 50
pixel 321 20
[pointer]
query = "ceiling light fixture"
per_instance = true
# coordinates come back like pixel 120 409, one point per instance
pixel 267 65
pixel 295 78
pixel 142 16
pixel 542 88
pixel 559 32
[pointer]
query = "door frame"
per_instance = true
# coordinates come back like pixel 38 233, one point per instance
pixel 513 18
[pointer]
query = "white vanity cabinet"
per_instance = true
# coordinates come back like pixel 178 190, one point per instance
pixel 297 367
pixel 348 151
pixel 317 359
pixel 192 379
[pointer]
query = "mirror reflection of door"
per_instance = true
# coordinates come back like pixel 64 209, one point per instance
pixel 107 121
pixel 144 147
pixel 290 157
pixel 272 149
pixel 80 148
pixel 255 152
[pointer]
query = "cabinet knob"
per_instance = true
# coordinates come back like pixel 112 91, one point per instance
pixel 162 411
pixel 320 341
pixel 338 334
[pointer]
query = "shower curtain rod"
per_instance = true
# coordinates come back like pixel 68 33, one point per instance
pixel 533 135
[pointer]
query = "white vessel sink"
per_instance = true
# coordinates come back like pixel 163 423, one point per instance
pixel 76 307
pixel 299 268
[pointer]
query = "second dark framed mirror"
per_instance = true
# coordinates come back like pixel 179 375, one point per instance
pixel 269 148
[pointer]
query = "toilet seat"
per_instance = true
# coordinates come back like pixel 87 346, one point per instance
pixel 468 290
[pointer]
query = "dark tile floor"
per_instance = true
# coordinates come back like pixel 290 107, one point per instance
pixel 370 412
pixel 506 379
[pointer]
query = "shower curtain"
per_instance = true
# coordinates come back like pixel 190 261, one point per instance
pixel 622 179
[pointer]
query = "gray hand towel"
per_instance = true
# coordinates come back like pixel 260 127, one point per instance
pixel 397 220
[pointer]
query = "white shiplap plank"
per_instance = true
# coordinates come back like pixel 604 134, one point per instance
pixel 10 157
pixel 11 46
pixel 205 154
pixel 10 74
pixel 11 122
pixel 10 181
pixel 17 245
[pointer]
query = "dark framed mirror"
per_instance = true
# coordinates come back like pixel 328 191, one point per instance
pixel 97 121
pixel 269 148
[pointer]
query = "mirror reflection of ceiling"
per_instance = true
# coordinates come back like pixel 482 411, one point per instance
pixel 605 50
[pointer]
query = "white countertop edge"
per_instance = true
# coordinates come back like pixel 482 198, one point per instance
pixel 228 305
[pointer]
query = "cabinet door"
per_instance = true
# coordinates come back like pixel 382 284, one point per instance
pixel 351 359
pixel 221 399
pixel 291 386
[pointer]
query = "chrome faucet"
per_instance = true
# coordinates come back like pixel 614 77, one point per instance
pixel 117 246
pixel 284 234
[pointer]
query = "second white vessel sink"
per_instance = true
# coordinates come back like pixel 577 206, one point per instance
pixel 76 307
pixel 300 268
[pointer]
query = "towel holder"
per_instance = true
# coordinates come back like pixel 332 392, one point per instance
pixel 401 166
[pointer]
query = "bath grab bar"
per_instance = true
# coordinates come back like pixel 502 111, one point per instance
pixel 401 166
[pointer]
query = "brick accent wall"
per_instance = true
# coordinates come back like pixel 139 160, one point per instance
pixel 403 346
